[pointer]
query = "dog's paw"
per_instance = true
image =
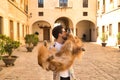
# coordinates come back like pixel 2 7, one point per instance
pixel 52 67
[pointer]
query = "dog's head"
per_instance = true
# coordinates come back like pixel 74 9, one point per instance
pixel 73 44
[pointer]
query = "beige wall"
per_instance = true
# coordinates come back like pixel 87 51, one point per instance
pixel 13 11
pixel 106 14
pixel 52 11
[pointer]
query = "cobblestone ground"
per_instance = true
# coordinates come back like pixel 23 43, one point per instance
pixel 97 63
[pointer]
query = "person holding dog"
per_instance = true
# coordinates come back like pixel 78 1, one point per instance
pixel 60 36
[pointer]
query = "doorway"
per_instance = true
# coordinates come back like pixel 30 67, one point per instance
pixel 46 34
pixel 11 29
pixel 1 23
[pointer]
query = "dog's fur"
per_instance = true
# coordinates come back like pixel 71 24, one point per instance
pixel 51 59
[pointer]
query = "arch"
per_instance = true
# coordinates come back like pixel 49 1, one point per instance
pixel 42 28
pixel 65 21
pixel 85 30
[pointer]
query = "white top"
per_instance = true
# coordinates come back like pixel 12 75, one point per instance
pixel 66 72
pixel 58 46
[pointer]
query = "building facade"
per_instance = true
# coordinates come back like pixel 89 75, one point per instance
pixel 78 15
pixel 108 20
pixel 86 18
pixel 21 17
pixel 13 19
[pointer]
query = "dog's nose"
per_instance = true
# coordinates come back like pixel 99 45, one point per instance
pixel 83 49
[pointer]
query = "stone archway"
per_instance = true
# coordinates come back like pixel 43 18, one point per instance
pixel 86 30
pixel 42 28
pixel 66 22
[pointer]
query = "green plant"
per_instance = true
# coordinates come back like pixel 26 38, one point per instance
pixel 10 46
pixel 104 37
pixel 7 45
pixel 35 39
pixel 28 40
pixel 3 39
pixel 118 37
pixel 1 48
pixel 31 40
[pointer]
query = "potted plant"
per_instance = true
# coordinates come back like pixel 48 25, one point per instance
pixel 8 46
pixel 118 38
pixel 35 40
pixel 104 38
pixel 31 40
pixel 28 41
pixel 2 42
pixel 2 37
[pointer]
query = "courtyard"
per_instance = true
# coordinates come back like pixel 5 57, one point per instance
pixel 97 63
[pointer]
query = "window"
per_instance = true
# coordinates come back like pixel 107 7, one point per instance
pixel 26 6
pixel 11 29
pixel 103 29
pixel 111 4
pixel 111 1
pixel 118 27
pixel 98 6
pixel 63 3
pixel 40 13
pixel 103 2
pixel 1 22
pixel 103 7
pixel 21 2
pixel 85 13
pixel 40 3
pixel 85 3
pixel 97 30
pixel 110 29
pixel 18 31
pixel 22 30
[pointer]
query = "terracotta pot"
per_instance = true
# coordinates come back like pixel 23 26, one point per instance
pixel 119 46
pixel 29 49
pixel 104 44
pixel 9 61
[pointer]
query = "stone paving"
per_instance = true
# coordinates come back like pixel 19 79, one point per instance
pixel 97 63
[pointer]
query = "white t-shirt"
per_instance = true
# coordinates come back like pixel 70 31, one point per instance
pixel 66 72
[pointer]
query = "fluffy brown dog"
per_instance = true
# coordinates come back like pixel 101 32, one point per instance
pixel 51 59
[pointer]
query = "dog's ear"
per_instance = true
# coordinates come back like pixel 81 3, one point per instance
pixel 69 31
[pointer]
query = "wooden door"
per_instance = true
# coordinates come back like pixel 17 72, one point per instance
pixel 46 34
